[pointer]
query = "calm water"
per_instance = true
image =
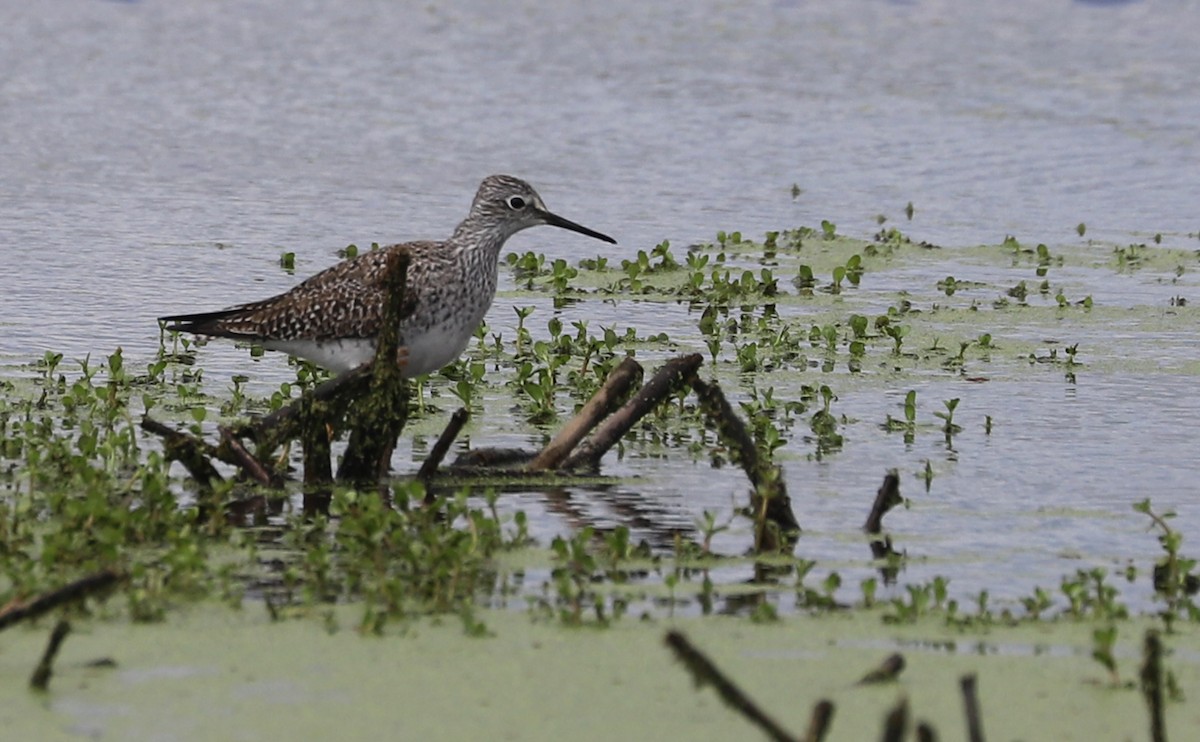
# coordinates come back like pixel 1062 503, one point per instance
pixel 158 156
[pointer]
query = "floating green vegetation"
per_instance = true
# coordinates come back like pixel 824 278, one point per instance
pixel 801 327
pixel 398 557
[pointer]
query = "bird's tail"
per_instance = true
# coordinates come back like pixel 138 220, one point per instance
pixel 213 324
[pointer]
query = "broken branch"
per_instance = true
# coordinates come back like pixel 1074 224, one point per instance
pixel 615 387
pixel 704 672
pixel 669 378
pixel 72 591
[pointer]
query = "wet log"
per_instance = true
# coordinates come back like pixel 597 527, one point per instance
pixel 615 388
pixel 776 527
pixel 377 419
pixel 670 378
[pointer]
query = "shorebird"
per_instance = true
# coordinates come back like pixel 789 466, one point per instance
pixel 333 318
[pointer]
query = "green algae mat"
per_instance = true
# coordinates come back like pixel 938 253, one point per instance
pixel 211 673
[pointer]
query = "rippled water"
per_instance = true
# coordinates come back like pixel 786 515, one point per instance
pixel 158 156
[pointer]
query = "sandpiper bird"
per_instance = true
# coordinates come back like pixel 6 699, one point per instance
pixel 333 318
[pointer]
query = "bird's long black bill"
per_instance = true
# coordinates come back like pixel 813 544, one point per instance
pixel 555 220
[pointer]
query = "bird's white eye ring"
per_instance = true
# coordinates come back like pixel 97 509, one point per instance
pixel 516 203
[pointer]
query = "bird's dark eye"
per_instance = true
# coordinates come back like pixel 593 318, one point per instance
pixel 516 203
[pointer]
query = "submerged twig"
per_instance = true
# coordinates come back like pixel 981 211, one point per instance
pixel 669 378
pixel 1152 684
pixel 926 732
pixel 252 466
pixel 444 441
pixel 316 451
pixel 41 674
pixel 704 672
pixel 971 706
pixel 77 590
pixel 270 431
pixel 887 671
pixel 187 449
pixel 887 498
pixel 620 380
pixel 895 724
pixel 819 722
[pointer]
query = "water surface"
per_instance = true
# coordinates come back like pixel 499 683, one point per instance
pixel 160 156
